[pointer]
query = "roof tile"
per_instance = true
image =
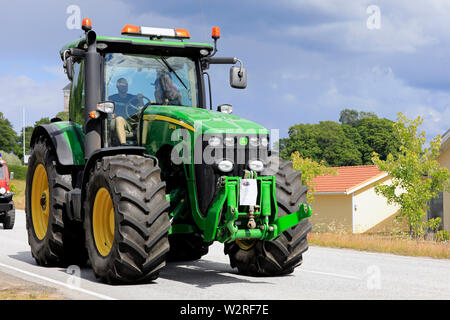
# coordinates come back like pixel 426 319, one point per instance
pixel 347 178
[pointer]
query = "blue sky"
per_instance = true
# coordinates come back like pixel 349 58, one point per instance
pixel 306 60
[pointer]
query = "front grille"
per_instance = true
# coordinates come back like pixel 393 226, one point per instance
pixel 207 175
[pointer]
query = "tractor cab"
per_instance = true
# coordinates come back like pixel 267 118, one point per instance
pixel 149 67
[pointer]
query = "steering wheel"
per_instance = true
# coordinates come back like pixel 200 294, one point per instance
pixel 135 105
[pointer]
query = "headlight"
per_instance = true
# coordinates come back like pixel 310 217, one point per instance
pixel 264 142
pixel 229 141
pixel 106 107
pixel 256 165
pixel 225 165
pixel 225 108
pixel 214 141
pixel 2 190
pixel 254 142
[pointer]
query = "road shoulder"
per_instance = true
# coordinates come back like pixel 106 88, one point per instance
pixel 14 288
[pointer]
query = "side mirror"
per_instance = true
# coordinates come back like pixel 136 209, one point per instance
pixel 11 176
pixel 238 77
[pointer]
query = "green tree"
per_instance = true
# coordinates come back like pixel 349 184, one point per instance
pixel 416 175
pixel 11 158
pixel 63 115
pixel 349 143
pixel 8 137
pixel 310 169
pixel 350 116
pixel 377 135
pixel 326 141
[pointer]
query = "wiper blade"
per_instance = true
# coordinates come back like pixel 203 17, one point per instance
pixel 173 71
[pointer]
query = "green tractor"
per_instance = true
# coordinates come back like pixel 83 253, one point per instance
pixel 144 172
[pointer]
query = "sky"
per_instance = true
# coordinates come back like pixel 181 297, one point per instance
pixel 306 59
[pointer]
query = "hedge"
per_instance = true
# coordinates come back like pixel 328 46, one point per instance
pixel 20 172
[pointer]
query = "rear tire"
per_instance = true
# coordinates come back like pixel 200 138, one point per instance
pixel 285 253
pixel 60 243
pixel 132 242
pixel 10 217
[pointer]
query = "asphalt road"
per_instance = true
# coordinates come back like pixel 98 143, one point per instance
pixel 325 274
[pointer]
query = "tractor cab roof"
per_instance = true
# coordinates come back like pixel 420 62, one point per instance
pixel 140 45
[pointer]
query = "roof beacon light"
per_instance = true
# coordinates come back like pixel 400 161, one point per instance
pixel 155 32
pixel 86 25
pixel 215 33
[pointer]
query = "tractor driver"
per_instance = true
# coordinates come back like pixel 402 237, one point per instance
pixel 121 99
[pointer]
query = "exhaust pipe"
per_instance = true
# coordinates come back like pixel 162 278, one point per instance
pixel 92 129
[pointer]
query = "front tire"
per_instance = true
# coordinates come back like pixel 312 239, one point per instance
pixel 9 219
pixel 285 253
pixel 126 219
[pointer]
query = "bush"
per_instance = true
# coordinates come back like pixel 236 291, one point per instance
pixel 20 172
pixel 11 158
pixel 14 189
pixel 442 235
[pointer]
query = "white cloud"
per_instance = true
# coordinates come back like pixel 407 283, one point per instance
pixel 404 35
pixel 40 98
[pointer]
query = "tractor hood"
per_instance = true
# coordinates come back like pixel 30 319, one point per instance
pixel 206 120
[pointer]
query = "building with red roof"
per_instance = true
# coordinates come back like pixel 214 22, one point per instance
pixel 348 202
pixel 443 210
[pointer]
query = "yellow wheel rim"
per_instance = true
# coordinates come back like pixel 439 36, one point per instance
pixel 40 201
pixel 245 244
pixel 103 221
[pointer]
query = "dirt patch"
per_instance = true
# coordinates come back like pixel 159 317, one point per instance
pixel 13 288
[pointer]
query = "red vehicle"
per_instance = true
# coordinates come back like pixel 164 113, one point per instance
pixel 7 210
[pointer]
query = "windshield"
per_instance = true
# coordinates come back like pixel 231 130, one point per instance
pixel 133 81
pixel 146 79
pixel 2 175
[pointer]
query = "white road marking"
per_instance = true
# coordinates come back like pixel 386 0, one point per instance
pixel 332 274
pixel 98 295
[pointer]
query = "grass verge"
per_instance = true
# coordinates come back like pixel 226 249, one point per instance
pixel 13 288
pixel 19 197
pixel 380 243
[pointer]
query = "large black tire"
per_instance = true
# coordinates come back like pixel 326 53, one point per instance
pixel 285 253
pixel 9 219
pixel 187 247
pixel 139 242
pixel 63 243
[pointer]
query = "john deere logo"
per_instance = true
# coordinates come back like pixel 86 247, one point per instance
pixel 243 141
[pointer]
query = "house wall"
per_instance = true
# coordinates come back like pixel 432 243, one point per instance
pixel 444 160
pixel 370 208
pixel 331 212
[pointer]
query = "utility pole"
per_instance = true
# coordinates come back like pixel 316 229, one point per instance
pixel 23 129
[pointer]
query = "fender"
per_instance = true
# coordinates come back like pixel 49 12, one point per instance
pixel 68 141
